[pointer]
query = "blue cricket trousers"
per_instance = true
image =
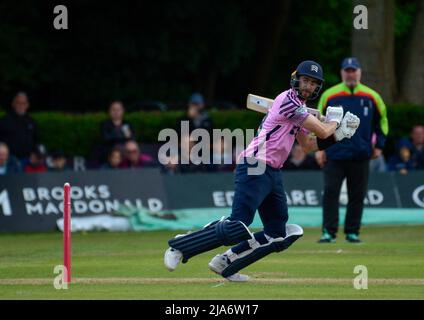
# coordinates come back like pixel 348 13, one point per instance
pixel 264 193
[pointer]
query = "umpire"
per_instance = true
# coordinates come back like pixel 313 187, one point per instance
pixel 350 158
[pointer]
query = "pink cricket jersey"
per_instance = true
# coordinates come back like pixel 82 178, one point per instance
pixel 278 130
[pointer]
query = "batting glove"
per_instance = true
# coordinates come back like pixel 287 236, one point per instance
pixel 347 127
pixel 334 114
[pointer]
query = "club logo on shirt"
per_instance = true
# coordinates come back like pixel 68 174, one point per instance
pixel 314 68
pixel 302 109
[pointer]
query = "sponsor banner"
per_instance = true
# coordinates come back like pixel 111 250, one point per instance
pixel 411 189
pixel 145 199
pixel 303 189
pixel 33 202
pixel 200 190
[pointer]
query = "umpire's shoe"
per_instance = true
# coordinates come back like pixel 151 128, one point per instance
pixel 353 238
pixel 327 238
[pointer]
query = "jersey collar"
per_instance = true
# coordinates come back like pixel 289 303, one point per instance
pixel 356 89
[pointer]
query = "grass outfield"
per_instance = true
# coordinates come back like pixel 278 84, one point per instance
pixel 129 266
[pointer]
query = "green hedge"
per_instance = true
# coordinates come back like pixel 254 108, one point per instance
pixel 76 134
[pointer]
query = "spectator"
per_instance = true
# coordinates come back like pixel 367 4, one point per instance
pixel 401 162
pixel 182 162
pixel 417 150
pixel 172 167
pixel 377 164
pixel 37 160
pixel 58 161
pixel 222 157
pixel 197 116
pixel 17 129
pixel 299 160
pixel 133 157
pixel 186 164
pixel 115 131
pixel 8 163
pixel 114 159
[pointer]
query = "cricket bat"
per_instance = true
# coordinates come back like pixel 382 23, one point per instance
pixel 262 104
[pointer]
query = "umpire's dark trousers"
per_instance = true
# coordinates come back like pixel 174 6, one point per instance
pixel 356 174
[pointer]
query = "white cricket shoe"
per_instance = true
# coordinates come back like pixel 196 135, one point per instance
pixel 172 258
pixel 238 277
pixel 220 262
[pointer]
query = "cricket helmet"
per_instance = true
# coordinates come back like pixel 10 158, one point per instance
pixel 310 69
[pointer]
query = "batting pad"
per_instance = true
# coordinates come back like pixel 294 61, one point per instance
pixel 257 251
pixel 213 235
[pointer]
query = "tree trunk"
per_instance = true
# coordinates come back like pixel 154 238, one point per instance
pixel 275 23
pixel 374 47
pixel 412 79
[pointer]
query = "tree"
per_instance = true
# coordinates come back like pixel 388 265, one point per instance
pixel 269 41
pixel 374 47
pixel 412 77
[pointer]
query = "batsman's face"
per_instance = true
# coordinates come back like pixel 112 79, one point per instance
pixel 351 77
pixel 307 86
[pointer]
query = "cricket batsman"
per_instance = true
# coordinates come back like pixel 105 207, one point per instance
pixel 285 121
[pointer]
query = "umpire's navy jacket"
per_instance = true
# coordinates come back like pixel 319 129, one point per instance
pixel 370 108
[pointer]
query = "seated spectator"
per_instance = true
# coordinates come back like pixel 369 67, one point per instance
pixel 196 115
pixel 114 159
pixel 401 162
pixel 417 150
pixel 37 160
pixel 378 164
pixel 182 162
pixel 133 158
pixel 17 129
pixel 186 163
pixel 222 157
pixel 115 131
pixel 8 163
pixel 58 161
pixel 299 160
pixel 172 167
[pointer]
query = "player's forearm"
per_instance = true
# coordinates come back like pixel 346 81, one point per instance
pixel 307 142
pixel 322 130
pixel 326 130
pixel 317 144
